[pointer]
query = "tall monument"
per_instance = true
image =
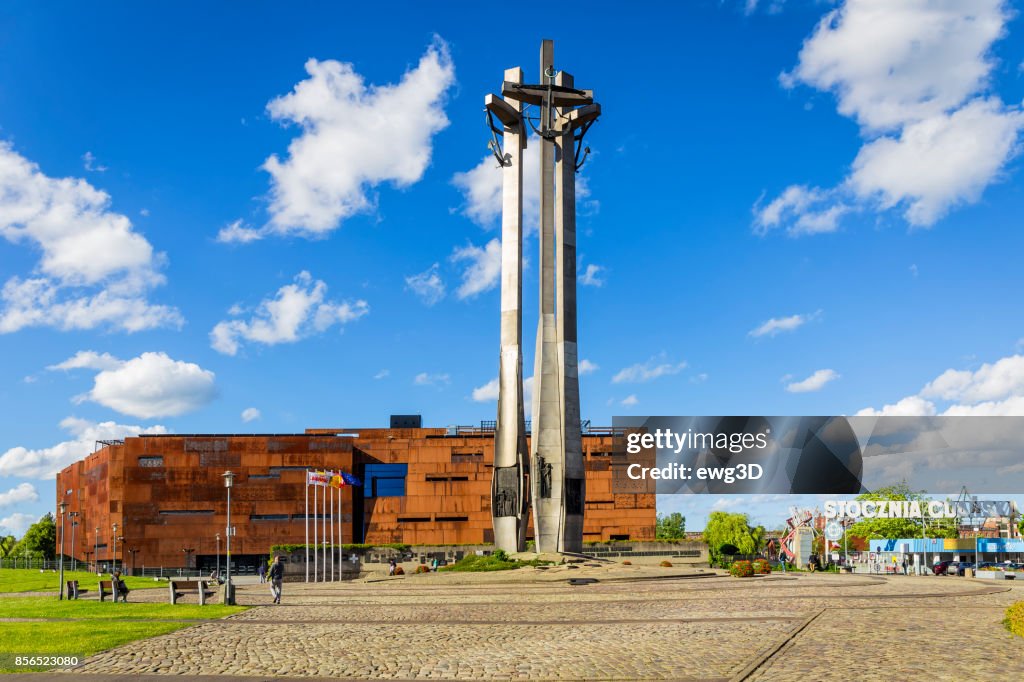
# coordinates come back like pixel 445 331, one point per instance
pixel 560 116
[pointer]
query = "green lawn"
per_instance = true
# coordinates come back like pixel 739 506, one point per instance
pixel 31 580
pixel 73 639
pixel 50 607
pixel 104 625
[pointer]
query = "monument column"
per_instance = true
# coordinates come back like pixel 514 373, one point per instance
pixel 509 502
pixel 560 116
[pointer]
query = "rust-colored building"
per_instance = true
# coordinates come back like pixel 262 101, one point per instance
pixel 422 486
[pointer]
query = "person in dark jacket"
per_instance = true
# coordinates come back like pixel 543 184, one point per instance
pixel 276 575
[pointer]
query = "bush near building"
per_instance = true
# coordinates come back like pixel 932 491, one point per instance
pixel 741 569
pixel 1014 620
pixel 761 567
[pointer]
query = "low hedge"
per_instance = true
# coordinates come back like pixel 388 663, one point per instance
pixel 741 569
pixel 761 567
pixel 1014 620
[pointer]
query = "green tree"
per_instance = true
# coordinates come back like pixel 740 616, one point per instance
pixel 725 530
pixel 40 540
pixel 671 526
pixel 893 529
pixel 1020 526
pixel 6 545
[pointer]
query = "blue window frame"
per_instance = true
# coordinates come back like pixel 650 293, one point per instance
pixel 385 480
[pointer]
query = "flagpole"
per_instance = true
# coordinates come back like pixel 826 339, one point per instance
pixel 307 525
pixel 314 531
pixel 332 530
pixel 325 535
pixel 340 521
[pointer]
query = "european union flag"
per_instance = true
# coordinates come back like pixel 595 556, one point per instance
pixel 350 479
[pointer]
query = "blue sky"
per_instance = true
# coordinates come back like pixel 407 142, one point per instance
pixel 787 211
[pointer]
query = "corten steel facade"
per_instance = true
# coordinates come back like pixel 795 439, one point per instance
pixel 421 486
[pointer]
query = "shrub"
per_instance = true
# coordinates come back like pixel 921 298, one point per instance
pixel 761 567
pixel 741 569
pixel 500 555
pixel 1014 620
pixel 399 571
pixel 627 563
pixel 422 568
pixel 666 564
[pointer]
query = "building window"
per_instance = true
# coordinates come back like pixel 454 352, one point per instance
pixel 465 457
pixel 385 480
pixel 445 478
pixel 269 517
pixel 186 512
pixel 157 461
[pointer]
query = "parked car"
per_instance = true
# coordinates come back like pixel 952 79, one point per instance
pixel 961 567
pixel 941 567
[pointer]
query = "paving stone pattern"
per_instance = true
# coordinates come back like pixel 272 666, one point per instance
pixel 622 628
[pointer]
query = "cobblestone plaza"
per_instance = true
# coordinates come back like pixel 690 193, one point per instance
pixel 635 623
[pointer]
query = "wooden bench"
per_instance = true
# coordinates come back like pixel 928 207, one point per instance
pixel 182 587
pixel 107 589
pixel 73 589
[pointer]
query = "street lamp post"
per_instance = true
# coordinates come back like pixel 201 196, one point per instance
pixel 74 525
pixel 113 539
pixel 229 593
pixel 218 556
pixel 96 556
pixel 63 507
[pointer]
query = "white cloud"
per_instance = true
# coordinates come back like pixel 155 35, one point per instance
pixel 16 524
pixel 996 381
pixel 151 385
pixel 912 406
pixel 427 285
pixel 893 62
pixel 586 367
pixel 94 269
pixel 591 277
pixel 250 414
pixel 482 272
pixel 776 325
pixel 354 137
pixel 815 382
pixel 296 311
pixel 426 379
pixel 994 389
pixel 486 393
pixel 647 371
pixel 237 233
pixel 43 464
pixel 22 493
pixel 88 359
pixel 940 162
pixel 89 163
pixel 629 401
pixel 383 374
pixel 913 75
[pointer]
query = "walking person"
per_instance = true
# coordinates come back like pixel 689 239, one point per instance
pixel 276 575
pixel 263 571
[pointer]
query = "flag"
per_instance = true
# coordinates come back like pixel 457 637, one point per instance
pixel 337 481
pixel 320 478
pixel 350 479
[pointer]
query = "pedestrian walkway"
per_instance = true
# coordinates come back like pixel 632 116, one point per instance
pixel 802 627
